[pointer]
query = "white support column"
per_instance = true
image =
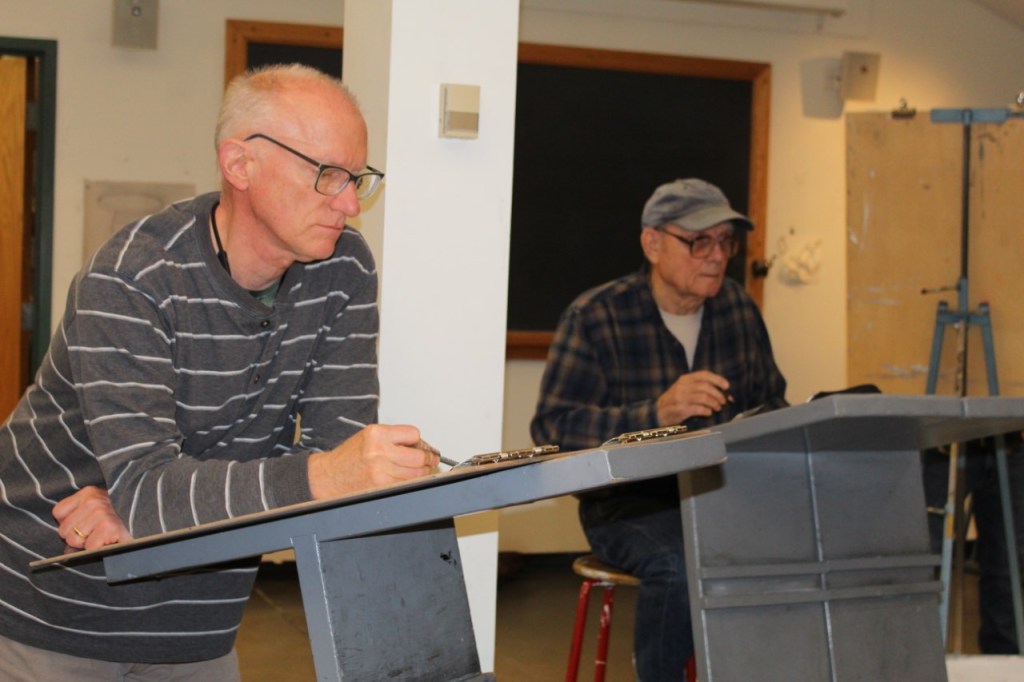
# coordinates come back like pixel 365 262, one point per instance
pixel 440 232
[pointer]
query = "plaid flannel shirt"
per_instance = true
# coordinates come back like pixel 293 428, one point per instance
pixel 612 357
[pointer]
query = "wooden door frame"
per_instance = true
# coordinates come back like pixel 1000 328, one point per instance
pixel 43 118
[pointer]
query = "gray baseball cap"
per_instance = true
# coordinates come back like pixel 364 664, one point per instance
pixel 693 205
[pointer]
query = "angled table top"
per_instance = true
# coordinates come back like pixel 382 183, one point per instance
pixel 437 497
pixel 874 421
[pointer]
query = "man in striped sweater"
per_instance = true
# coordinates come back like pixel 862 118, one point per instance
pixel 173 387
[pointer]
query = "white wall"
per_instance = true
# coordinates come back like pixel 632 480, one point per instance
pixel 137 115
pixel 934 53
pixel 126 114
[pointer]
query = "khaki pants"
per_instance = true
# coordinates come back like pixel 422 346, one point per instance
pixel 23 663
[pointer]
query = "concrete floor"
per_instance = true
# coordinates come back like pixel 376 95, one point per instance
pixel 535 613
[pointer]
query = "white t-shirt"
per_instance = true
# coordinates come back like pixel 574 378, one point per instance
pixel 686 328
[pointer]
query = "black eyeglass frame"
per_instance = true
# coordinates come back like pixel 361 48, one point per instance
pixel 730 243
pixel 375 175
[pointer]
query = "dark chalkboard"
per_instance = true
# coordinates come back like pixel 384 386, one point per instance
pixel 257 43
pixel 326 59
pixel 591 145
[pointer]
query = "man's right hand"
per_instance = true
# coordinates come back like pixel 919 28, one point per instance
pixel 697 394
pixel 87 520
pixel 378 455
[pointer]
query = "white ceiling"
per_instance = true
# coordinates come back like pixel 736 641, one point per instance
pixel 1013 10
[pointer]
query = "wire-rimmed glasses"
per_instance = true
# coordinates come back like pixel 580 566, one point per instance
pixel 332 180
pixel 702 246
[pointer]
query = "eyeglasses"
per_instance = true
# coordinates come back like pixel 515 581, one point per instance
pixel 331 180
pixel 702 246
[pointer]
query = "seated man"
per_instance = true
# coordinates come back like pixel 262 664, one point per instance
pixel 672 343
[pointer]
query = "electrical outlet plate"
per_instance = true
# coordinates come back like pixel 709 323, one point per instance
pixel 460 111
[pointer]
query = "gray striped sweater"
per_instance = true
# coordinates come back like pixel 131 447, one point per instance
pixel 175 389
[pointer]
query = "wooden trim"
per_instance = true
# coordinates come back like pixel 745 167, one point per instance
pixel 238 35
pixel 758 192
pixel 527 345
pixel 643 62
pixel 522 345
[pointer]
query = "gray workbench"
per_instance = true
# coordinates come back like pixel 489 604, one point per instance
pixel 380 573
pixel 807 551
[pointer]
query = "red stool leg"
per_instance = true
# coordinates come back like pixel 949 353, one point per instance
pixel 601 662
pixel 577 632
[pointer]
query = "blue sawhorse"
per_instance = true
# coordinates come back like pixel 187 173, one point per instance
pixel 962 319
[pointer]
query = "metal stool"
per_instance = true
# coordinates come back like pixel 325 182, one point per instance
pixel 596 572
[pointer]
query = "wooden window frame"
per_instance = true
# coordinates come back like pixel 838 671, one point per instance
pixel 239 33
pixel 526 345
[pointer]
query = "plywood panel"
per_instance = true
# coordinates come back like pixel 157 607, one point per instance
pixel 997 249
pixel 903 225
pixel 904 228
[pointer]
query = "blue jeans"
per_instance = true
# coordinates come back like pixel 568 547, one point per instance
pixel 645 538
pixel 997 634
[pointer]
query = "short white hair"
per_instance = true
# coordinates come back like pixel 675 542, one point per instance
pixel 251 97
